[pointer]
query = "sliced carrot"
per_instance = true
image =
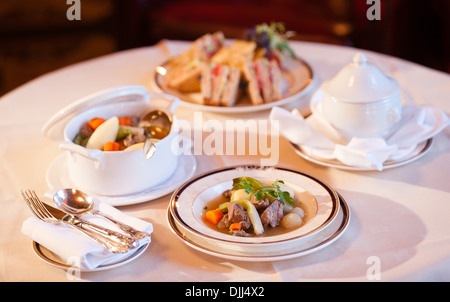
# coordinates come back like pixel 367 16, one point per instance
pixel 95 122
pixel 235 226
pixel 214 216
pixel 125 121
pixel 111 146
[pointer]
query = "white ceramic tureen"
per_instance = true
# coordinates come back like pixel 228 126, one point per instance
pixel 115 173
pixel 361 101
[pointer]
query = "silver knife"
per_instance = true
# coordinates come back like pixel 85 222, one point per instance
pixel 114 241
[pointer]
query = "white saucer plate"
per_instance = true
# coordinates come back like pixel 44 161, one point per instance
pixel 420 150
pixel 58 177
pixel 50 258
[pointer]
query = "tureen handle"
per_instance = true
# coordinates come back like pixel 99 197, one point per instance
pixel 170 102
pixel 95 155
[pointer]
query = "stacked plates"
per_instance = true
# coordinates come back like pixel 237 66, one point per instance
pixel 327 216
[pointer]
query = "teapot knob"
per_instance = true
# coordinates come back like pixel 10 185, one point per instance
pixel 360 59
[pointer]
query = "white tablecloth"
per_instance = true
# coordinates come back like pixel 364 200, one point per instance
pixel 400 217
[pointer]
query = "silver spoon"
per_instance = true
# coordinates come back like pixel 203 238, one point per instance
pixel 76 202
pixel 157 125
pixel 149 148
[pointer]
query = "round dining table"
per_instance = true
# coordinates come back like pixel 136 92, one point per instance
pixel 399 218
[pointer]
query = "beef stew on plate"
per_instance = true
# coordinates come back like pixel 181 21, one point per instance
pixel 255 208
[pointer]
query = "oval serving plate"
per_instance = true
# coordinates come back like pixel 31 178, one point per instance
pixel 188 201
pixel 297 84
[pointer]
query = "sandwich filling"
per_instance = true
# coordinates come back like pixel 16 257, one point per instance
pixel 219 84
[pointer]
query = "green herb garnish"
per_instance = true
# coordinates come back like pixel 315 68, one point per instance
pixel 271 37
pixel 260 191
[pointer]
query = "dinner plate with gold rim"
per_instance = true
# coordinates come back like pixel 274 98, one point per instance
pixel 297 84
pixel 51 258
pixel 420 150
pixel 187 204
pixel 303 247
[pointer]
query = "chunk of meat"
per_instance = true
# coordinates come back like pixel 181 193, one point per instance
pixel 260 204
pixel 240 233
pixel 272 214
pixel 236 214
pixel 86 131
pixel 133 138
pixel 227 194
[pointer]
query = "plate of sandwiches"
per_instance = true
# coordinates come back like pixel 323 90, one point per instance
pixel 222 75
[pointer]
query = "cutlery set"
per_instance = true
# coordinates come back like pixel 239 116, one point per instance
pixel 113 241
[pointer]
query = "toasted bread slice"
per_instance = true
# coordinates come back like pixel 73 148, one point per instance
pixel 219 84
pixel 220 77
pixel 183 72
pixel 262 71
pixel 209 44
pixel 231 91
pixel 184 78
pixel 236 55
pixel 206 83
pixel 263 81
pixel 252 84
pixel 275 78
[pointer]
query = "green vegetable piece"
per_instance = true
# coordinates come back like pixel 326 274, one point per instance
pixel 260 191
pixel 248 183
pixel 81 140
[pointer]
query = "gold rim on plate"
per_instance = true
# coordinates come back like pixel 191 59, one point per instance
pixel 328 207
pixel 316 243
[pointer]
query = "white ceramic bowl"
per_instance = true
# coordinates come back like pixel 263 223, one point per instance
pixel 187 208
pixel 360 101
pixel 116 173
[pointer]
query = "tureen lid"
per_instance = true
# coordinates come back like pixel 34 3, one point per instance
pixel 54 127
pixel 360 82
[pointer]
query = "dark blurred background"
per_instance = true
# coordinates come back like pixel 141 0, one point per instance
pixel 36 37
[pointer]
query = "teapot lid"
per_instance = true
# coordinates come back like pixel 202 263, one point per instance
pixel 360 82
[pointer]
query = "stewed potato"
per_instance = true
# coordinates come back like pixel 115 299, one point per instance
pixel 299 211
pixel 291 220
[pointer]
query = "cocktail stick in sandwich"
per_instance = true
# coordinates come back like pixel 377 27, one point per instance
pixel 264 81
pixel 219 84
pixel 183 71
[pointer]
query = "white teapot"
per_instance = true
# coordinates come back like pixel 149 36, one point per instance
pixel 360 101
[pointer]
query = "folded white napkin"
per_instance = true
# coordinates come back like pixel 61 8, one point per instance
pixel 74 247
pixel 319 139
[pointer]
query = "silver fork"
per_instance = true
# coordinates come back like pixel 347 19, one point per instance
pixel 39 210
